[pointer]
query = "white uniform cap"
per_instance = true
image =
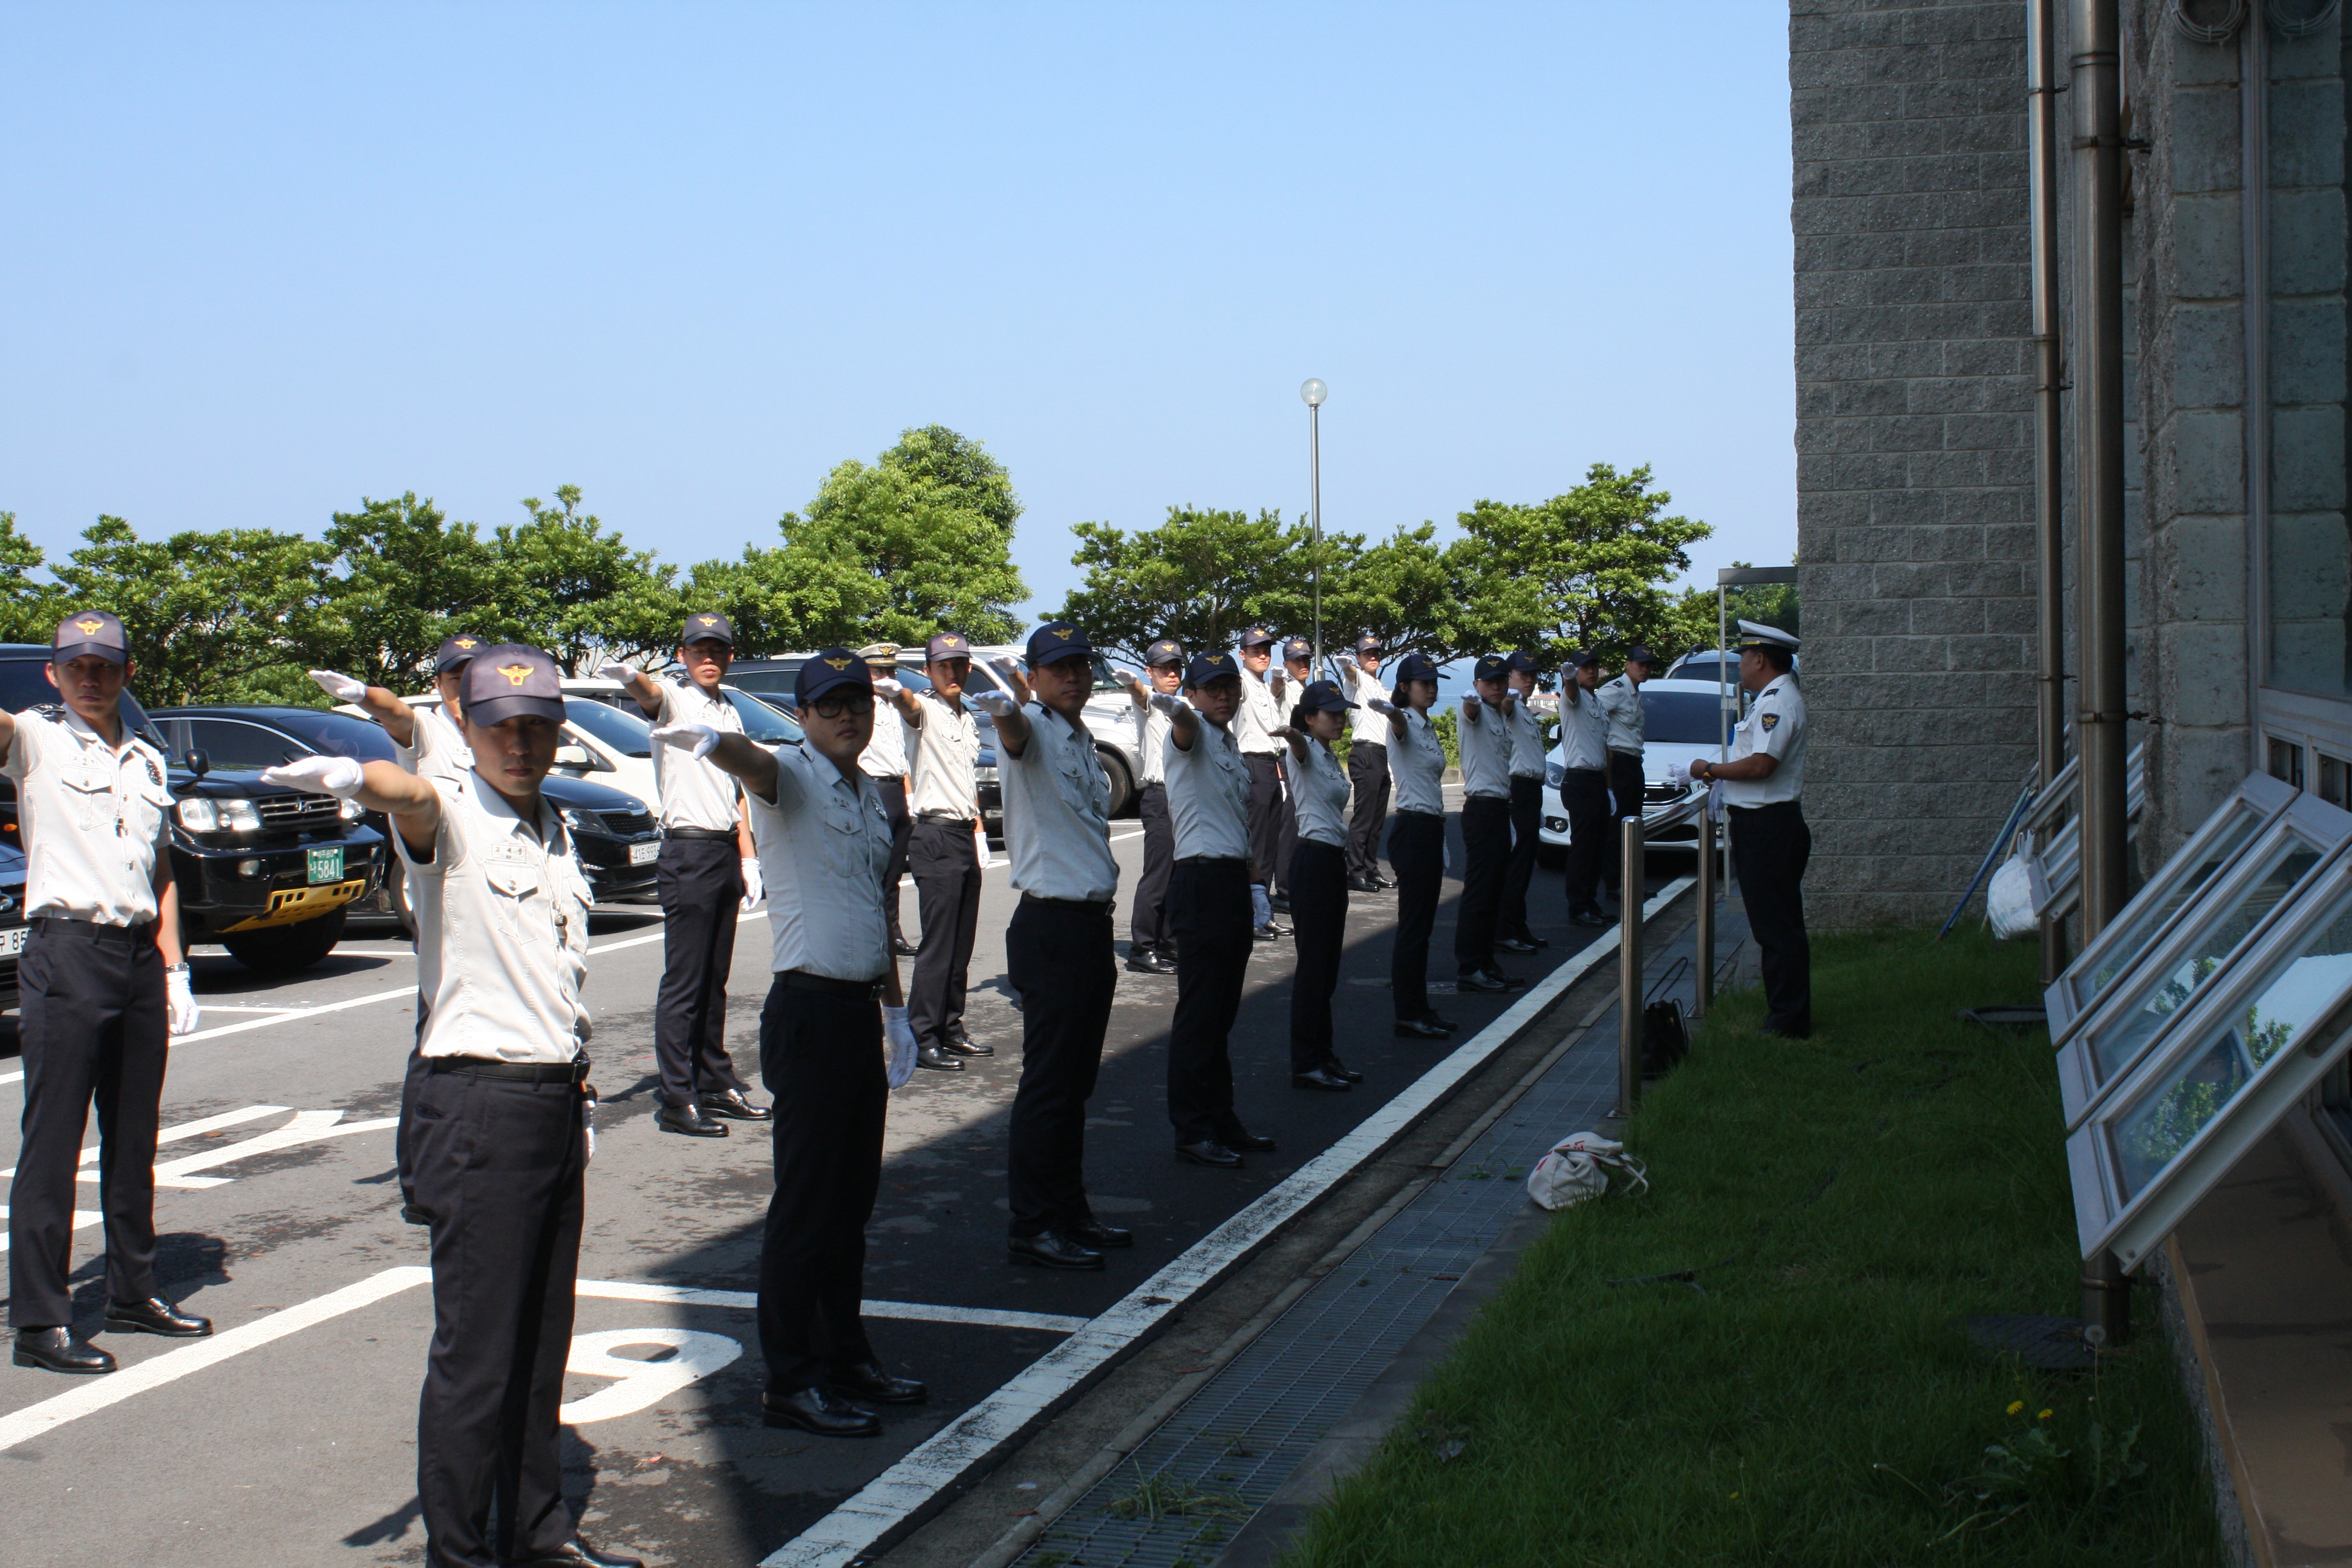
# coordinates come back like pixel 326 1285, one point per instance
pixel 1756 632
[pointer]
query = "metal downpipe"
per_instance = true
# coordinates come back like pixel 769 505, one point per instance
pixel 2048 438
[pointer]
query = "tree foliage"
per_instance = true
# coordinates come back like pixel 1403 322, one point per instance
pixel 1202 576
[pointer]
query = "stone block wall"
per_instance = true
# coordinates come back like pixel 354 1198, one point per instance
pixel 1915 443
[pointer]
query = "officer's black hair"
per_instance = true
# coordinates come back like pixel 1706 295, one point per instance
pixel 1781 658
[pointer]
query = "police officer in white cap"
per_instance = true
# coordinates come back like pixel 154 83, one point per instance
pixel 1058 948
pixel 1254 727
pixel 1763 781
pixel 102 979
pixel 500 1143
pixel 707 876
pixel 1368 765
pixel 1151 949
pixel 825 838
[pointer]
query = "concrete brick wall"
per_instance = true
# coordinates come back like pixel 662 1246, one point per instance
pixel 1915 443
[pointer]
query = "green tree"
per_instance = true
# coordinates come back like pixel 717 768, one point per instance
pixel 1694 623
pixel 404 577
pixel 1407 590
pixel 1202 576
pixel 1587 569
pixel 29 610
pixel 783 600
pixel 562 584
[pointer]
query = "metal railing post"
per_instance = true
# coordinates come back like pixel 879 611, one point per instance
pixel 1629 966
pixel 1704 931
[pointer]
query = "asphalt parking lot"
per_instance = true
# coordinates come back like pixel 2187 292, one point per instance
pixel 288 1438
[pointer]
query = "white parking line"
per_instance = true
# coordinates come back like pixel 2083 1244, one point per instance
pixel 982 1317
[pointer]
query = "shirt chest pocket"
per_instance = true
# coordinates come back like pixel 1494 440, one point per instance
pixel 514 889
pixel 87 792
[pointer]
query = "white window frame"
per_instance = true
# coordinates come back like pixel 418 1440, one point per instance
pixel 2055 869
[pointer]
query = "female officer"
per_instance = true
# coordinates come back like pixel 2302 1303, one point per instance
pixel 1417 842
pixel 1316 877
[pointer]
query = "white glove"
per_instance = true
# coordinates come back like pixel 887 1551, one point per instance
pixel 588 1125
pixel 755 886
pixel 613 669
pixel 341 687
pixel 1167 702
pixel 1678 772
pixel 1277 682
pixel 994 703
pixel 336 776
pixel 1000 667
pixel 899 1038
pixel 1261 907
pixel 687 737
pixel 1469 709
pixel 179 1003
pixel 887 686
pixel 1383 706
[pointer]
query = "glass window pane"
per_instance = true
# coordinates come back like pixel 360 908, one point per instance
pixel 2144 916
pixel 762 722
pixel 231 744
pixel 625 732
pixel 2115 1046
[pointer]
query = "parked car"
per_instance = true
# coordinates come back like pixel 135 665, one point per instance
pixel 615 835
pixel 602 743
pixel 13 924
pixel 266 870
pixel 1711 665
pixel 1679 724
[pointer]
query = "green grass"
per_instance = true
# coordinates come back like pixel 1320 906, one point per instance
pixel 1842 1200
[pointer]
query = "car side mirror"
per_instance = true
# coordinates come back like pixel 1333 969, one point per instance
pixel 573 756
pixel 197 763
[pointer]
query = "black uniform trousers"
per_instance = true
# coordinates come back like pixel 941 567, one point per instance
pixel 1209 910
pixel 1526 817
pixel 1289 841
pixel 1265 818
pixel 1318 916
pixel 945 858
pixel 893 789
pixel 1368 786
pixel 1625 787
pixel 1417 854
pixel 1149 927
pixel 1770 847
pixel 821 1057
pixel 93 1028
pixel 498 1163
pixel 1486 861
pixel 1059 956
pixel 1591 842
pixel 700 883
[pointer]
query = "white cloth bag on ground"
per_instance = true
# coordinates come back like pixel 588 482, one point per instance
pixel 2008 899
pixel 1578 1168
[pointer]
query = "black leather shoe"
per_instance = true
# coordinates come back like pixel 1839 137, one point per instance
pixel 1278 902
pixel 1441 1020
pixel 867 1380
pixel 1047 1250
pixel 733 1105
pixel 1589 915
pixel 1381 884
pixel 819 1411
pixel 1145 961
pixel 1270 932
pixel 688 1119
pixel 156 1316
pixel 1422 1029
pixel 1512 945
pixel 938 1060
pixel 56 1350
pixel 963 1045
pixel 1540 942
pixel 576 1553
pixel 903 948
pixel 1338 1069
pixel 1362 885
pixel 1240 1139
pixel 1480 980
pixel 1208 1152
pixel 1093 1233
pixel 1319 1077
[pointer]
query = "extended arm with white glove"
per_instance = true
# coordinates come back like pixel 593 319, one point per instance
pixel 398 719
pixel 412 803
pixel 731 753
pixel 635 683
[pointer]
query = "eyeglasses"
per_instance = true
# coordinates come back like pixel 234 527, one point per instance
pixel 834 707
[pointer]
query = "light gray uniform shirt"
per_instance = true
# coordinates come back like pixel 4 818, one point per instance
pixel 945 750
pixel 885 756
pixel 824 846
pixel 1525 727
pixel 695 791
pixel 1369 728
pixel 1583 734
pixel 1485 748
pixel 1775 726
pixel 1208 795
pixel 1417 765
pixel 1320 791
pixel 1261 715
pixel 91 817
pixel 1057 812
pixel 1620 702
pixel 436 749
pixel 501 916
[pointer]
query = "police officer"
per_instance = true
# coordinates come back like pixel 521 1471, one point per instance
pixel 1317 880
pixel 1368 765
pixel 943 850
pixel 708 875
pixel 1416 760
pixel 1524 720
pixel 1483 738
pixel 1584 790
pixel 1151 949
pixel 1297 669
pixel 1057 949
pixel 1763 782
pixel 824 839
pixel 1209 909
pixel 1254 727
pixel 501 1139
pixel 885 762
pixel 1620 702
pixel 102 979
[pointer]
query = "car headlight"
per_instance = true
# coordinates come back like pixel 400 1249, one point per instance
pixel 198 814
pixel 1554 776
pixel 350 811
pixel 582 821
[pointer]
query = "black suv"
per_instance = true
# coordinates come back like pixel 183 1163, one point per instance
pixel 614 833
pixel 265 871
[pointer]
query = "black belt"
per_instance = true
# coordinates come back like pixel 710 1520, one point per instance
pixel 144 932
pixel 726 833
pixel 1585 770
pixel 942 819
pixel 1097 906
pixel 802 980
pixel 573 1071
pixel 1212 859
pixel 1767 806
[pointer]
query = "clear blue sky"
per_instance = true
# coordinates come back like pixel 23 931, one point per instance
pixel 264 261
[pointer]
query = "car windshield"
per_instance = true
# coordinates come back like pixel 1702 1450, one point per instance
pixel 22 686
pixel 618 728
pixel 762 722
pixel 1687 718
pixel 341 735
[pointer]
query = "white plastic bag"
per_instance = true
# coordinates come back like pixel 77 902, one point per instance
pixel 2008 899
pixel 1578 1168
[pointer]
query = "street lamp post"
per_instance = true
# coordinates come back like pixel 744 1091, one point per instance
pixel 1314 392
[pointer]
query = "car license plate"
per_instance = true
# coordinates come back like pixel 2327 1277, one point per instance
pixel 645 854
pixel 13 941
pixel 327 864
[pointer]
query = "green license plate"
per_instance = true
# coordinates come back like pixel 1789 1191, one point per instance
pixel 327 864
